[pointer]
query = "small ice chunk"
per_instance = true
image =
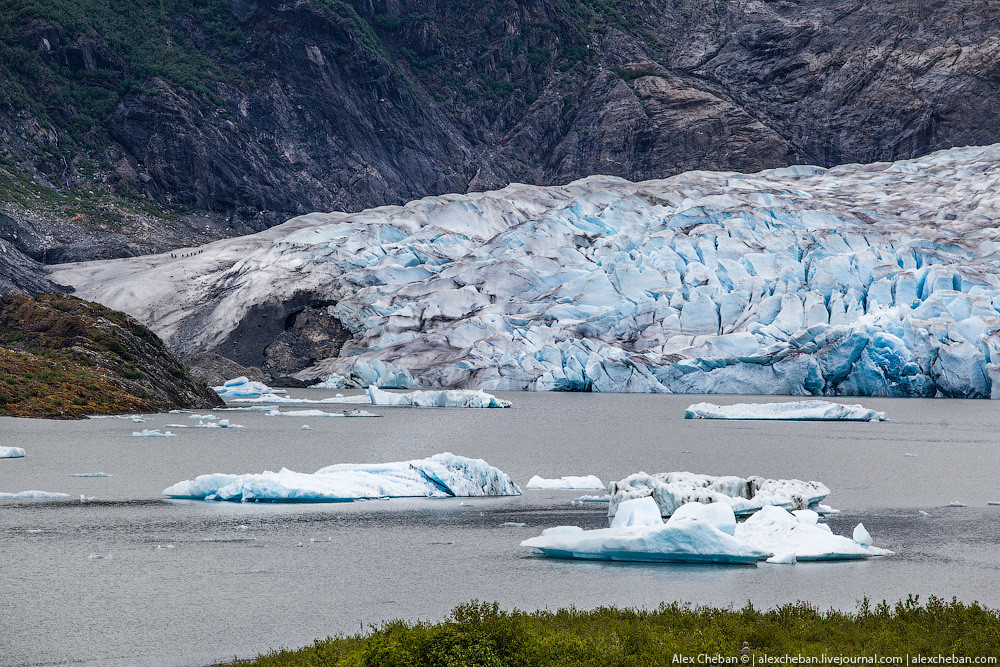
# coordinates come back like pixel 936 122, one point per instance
pixel 955 503
pixel 201 417
pixel 99 557
pixel 786 558
pixel 909 455
pixel 86 499
pixel 513 524
pixel 794 410
pixel 719 515
pixel 152 433
pixel 11 452
pixel 568 482
pixel 806 516
pixel 89 474
pixel 306 427
pixel 862 536
pixel 923 513
pixel 593 499
pixel 993 502
pixel 320 413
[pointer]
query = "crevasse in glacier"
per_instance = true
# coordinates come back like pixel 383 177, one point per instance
pixel 879 279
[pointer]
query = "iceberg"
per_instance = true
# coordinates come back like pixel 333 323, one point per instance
pixel 320 413
pixel 32 495
pixel 792 411
pixel 449 398
pixel 877 280
pixel 11 452
pixel 89 474
pixel 441 475
pixel 699 533
pixel 568 482
pixel 221 423
pixel 779 531
pixel 243 387
pixel 744 495
pixel 639 534
pixel 152 433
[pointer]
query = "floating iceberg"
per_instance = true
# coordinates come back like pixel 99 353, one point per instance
pixel 781 532
pixel 320 413
pixel 639 534
pixel 792 411
pixel 744 495
pixel 439 476
pixel 89 474
pixel 244 387
pixel 222 423
pixel 699 533
pixel 879 279
pixel 152 433
pixel 32 495
pixel 449 398
pixel 11 452
pixel 569 482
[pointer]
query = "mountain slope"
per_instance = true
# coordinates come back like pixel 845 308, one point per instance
pixel 877 279
pixel 163 124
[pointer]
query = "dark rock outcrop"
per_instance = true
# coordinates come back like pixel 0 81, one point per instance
pixel 326 105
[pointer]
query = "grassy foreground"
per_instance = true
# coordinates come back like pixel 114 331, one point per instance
pixel 483 635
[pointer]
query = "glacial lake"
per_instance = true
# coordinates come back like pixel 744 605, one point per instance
pixel 130 578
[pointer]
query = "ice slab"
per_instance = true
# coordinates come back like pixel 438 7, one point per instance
pixel 567 482
pixel 779 531
pixel 641 535
pixel 320 413
pixel 244 387
pixel 152 433
pixel 792 411
pixel 702 533
pixel 33 495
pixel 11 452
pixel 744 495
pixel 439 476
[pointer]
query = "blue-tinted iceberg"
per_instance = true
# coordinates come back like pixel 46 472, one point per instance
pixel 11 452
pixel 879 279
pixel 744 495
pixel 33 495
pixel 449 398
pixel 566 482
pixel 793 411
pixel 439 476
pixel 700 533
pixel 244 387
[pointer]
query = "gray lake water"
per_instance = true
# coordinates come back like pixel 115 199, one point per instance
pixel 130 578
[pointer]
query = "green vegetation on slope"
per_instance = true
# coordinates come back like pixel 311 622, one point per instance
pixel 62 357
pixel 482 635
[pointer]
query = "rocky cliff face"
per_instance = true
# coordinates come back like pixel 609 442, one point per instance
pixel 228 117
pixel 63 358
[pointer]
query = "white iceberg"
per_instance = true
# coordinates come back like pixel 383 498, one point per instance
pixel 89 474
pixel 11 452
pixel 567 482
pixel 319 413
pixel 33 495
pixel 244 387
pixel 699 533
pixel 780 532
pixel 876 279
pixel 639 534
pixel 447 398
pixel 792 411
pixel 152 433
pixel 439 476
pixel 744 495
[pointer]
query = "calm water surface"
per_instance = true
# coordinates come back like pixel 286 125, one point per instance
pixel 132 579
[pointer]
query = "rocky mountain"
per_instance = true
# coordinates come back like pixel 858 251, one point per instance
pixel 157 125
pixel 63 358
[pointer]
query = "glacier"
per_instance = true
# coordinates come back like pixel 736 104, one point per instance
pixel 699 533
pixel 880 279
pixel 11 452
pixel 566 482
pixel 744 495
pixel 439 476
pixel 792 411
